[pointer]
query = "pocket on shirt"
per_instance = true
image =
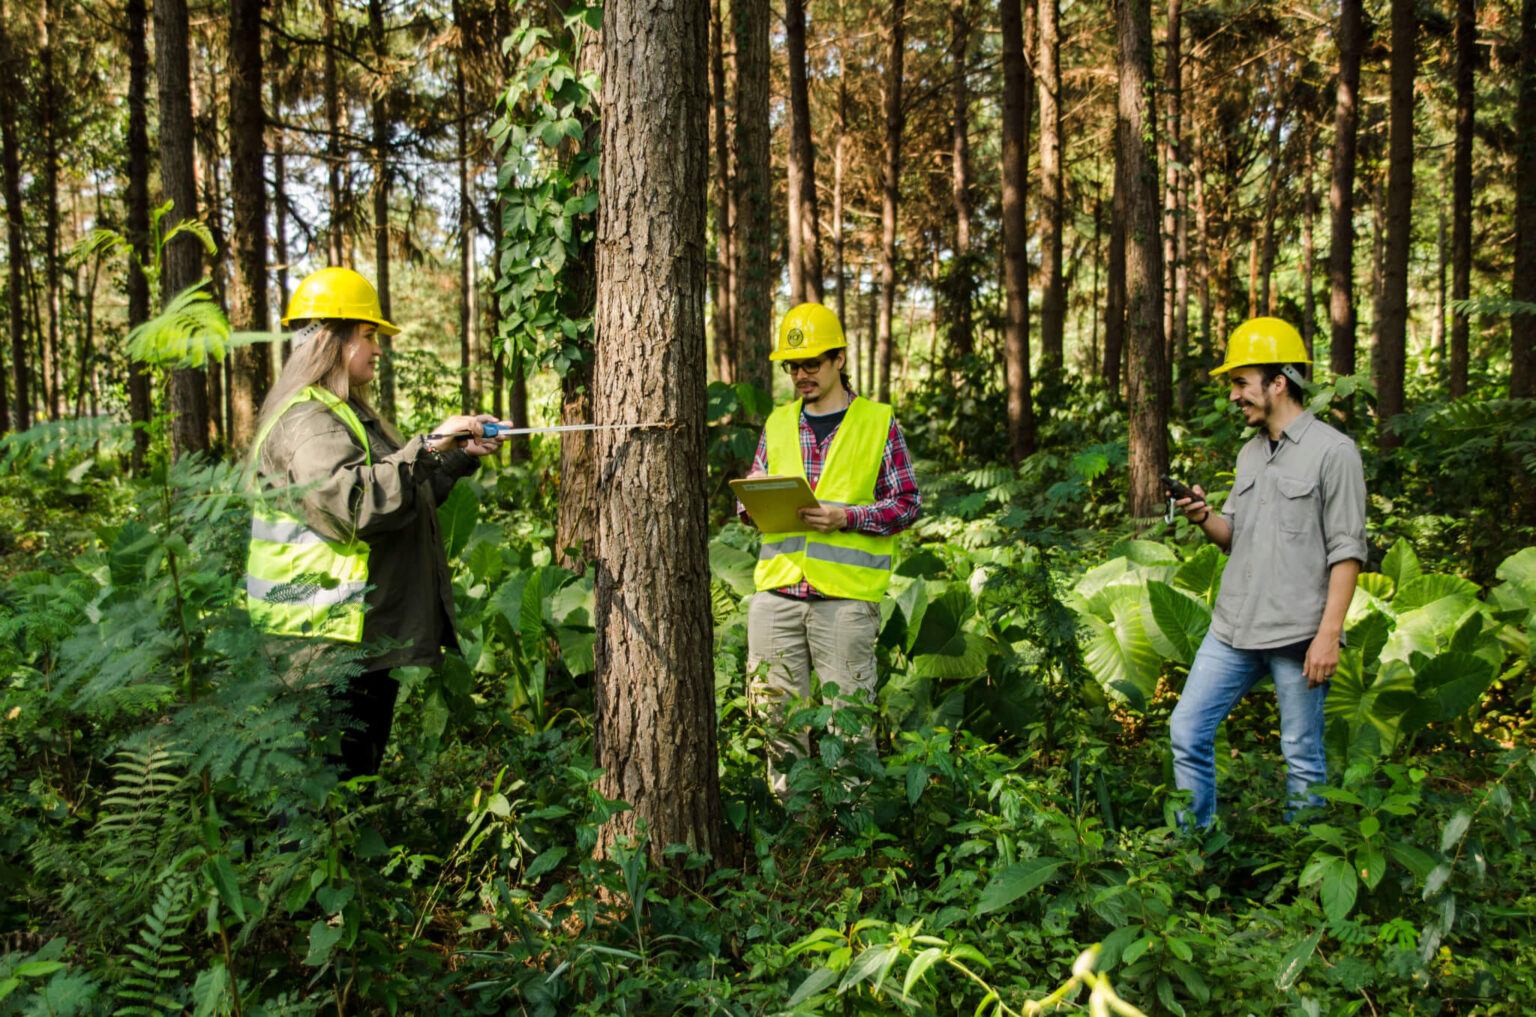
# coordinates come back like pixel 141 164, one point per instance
pixel 1298 504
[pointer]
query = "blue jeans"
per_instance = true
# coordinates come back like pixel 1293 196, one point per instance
pixel 1221 676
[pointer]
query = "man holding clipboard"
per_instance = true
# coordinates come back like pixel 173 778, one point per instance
pixel 820 580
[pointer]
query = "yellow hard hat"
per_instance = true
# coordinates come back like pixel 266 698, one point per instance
pixel 337 293
pixel 806 331
pixel 1264 341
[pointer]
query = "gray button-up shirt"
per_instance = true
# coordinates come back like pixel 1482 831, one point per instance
pixel 1294 513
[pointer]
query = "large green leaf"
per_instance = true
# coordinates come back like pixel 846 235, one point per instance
pixel 1360 725
pixel 943 619
pixel 963 656
pixel 457 515
pixel 1096 579
pixel 1009 884
pixel 1426 589
pixel 1446 687
pixel 1181 622
pixel 1144 552
pixel 1401 564
pixel 1118 652
pixel 1377 584
pixel 1429 629
pixel 1201 574
pixel 1519 568
pixel 732 567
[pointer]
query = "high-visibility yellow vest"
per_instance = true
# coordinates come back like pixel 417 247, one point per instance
pixel 298 581
pixel 853 566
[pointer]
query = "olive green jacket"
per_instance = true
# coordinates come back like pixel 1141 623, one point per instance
pixel 391 504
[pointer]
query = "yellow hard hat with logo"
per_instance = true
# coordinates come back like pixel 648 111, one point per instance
pixel 1264 341
pixel 337 293
pixel 806 331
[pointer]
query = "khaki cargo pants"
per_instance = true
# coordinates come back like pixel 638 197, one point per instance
pixel 835 638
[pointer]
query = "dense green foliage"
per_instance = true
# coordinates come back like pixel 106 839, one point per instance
pixel 172 838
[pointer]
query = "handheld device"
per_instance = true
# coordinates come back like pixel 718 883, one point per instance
pixel 1176 489
pixel 489 430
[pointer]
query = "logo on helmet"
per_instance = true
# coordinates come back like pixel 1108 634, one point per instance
pixel 795 339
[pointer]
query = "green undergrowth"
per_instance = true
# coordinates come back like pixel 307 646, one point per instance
pixel 173 838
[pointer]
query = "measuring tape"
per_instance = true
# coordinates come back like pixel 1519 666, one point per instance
pixel 497 431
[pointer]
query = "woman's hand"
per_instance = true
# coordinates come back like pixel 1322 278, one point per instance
pixel 475 444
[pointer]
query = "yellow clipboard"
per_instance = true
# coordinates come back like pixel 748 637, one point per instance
pixel 774 502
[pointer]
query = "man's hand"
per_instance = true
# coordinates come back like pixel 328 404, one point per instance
pixel 1194 508
pixel 755 474
pixel 1322 660
pixel 825 518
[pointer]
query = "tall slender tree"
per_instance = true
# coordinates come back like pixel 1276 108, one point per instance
pixel 10 161
pixel 251 374
pixel 1341 193
pixel 1016 96
pixel 138 220
pixel 654 736
pixel 961 283
pixel 383 130
pixel 805 272
pixel 52 368
pixel 1522 346
pixel 183 255
pixel 1148 395
pixel 1390 360
pixel 721 316
pixel 751 216
pixel 1461 189
pixel 890 193
pixel 1053 297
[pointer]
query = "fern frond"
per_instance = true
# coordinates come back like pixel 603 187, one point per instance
pixel 159 960
pixel 57 439
pixel 188 333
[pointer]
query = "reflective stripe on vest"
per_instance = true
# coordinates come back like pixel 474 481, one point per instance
pixel 298 581
pixel 854 566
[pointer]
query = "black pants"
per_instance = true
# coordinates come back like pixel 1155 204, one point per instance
pixel 364 714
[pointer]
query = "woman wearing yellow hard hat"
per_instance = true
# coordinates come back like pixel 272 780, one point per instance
pixel 345 546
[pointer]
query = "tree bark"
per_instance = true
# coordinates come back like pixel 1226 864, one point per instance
pixel 1391 348
pixel 1114 282
pixel 383 130
pixel 961 340
pixel 1202 238
pixel 1016 96
pixel 52 367
pixel 183 256
pixel 1266 302
pixel 251 376
pixel 1053 305
pixel 279 176
pixel 752 240
pixel 1172 158
pixel 576 527
pixel 1148 395
pixel 1341 193
pixel 1522 347
pixel 839 167
pixel 10 160
pixel 469 378
pixel 1308 250
pixel 332 101
pixel 895 118
pixel 1461 189
pixel 654 736
pixel 722 317
pixel 805 273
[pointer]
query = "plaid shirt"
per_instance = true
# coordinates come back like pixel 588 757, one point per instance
pixel 897 500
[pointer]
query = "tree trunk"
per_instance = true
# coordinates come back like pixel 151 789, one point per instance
pixel 1147 384
pixel 722 316
pixel 1114 297
pixel 1266 302
pixel 1308 251
pixel 52 368
pixel 183 256
pixel 1016 96
pixel 1461 189
pixel 279 176
pixel 1341 193
pixel 895 117
pixel 1202 240
pixel 1522 347
pixel 839 166
pixel 382 131
pixel 469 379
pixel 1392 346
pixel 332 101
pixel 576 527
pixel 961 341
pixel 248 195
pixel 654 736
pixel 805 274
pixel 10 159
pixel 1172 159
pixel 1053 305
pixel 752 240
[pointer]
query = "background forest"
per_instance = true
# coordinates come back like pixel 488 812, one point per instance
pixel 1038 222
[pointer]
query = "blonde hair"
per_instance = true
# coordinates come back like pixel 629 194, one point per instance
pixel 322 361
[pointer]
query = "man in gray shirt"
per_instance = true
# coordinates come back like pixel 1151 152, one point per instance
pixel 1294 525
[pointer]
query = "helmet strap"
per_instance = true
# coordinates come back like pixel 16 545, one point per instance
pixel 1295 375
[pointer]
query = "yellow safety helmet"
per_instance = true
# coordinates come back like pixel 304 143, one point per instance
pixel 1264 341
pixel 337 293
pixel 806 331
